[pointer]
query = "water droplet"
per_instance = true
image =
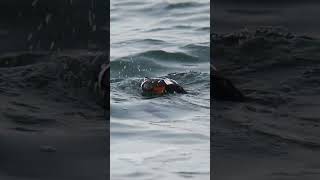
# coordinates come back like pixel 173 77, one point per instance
pixel 52 45
pixel 48 18
pixel 34 3
pixel 39 27
pixel 30 36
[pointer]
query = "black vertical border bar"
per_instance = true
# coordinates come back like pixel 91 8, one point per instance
pixel 211 89
pixel 100 40
pixel 108 102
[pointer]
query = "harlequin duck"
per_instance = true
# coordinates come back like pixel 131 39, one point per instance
pixel 160 86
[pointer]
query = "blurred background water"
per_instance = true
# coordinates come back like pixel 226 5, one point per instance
pixel 268 49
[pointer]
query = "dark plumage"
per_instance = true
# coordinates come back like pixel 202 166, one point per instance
pixel 160 86
pixel 223 89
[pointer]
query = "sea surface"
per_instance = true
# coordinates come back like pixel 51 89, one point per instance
pixel 270 51
pixel 165 137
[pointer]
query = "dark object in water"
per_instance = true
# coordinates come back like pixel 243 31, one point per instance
pixel 160 86
pixel 223 89
pixel 102 84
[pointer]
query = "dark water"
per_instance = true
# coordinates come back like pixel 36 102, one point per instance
pixel 274 135
pixel 297 16
pixel 59 25
pixel 276 131
pixel 48 66
pixel 165 137
pixel 53 45
pixel 269 49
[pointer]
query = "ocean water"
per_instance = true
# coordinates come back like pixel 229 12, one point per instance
pixel 166 137
pixel 269 50
pixel 276 130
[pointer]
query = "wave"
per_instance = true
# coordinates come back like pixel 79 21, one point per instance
pixel 194 82
pixel 175 27
pixel 279 73
pixel 158 8
pixel 182 5
pixel 147 41
pixel 264 48
pixel 154 62
pixel 66 76
pixel 168 56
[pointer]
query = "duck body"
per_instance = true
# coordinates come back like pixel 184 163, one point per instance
pixel 160 86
